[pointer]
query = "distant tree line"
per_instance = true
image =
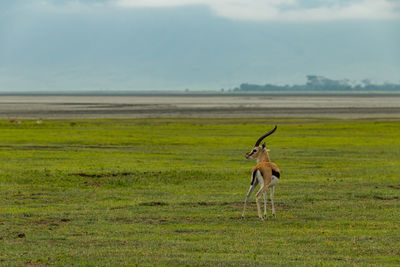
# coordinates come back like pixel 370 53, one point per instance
pixel 320 83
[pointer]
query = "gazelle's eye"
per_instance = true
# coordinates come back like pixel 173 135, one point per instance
pixel 254 150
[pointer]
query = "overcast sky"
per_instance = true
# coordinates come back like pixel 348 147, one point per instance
pixel 196 44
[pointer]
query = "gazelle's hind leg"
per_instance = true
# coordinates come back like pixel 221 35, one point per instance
pixel 265 182
pixel 251 189
pixel 261 191
pixel 265 204
pixel 272 200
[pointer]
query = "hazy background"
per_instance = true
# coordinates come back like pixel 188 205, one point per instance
pixel 196 44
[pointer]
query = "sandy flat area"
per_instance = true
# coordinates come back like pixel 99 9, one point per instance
pixel 335 106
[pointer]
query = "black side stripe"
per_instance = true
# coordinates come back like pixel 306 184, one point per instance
pixel 276 174
pixel 254 177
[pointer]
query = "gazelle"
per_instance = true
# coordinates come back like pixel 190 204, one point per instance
pixel 265 173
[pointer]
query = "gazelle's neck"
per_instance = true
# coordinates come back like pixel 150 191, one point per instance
pixel 264 157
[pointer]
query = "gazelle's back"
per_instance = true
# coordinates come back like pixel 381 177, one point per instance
pixel 263 166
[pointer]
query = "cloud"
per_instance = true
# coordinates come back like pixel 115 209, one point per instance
pixel 284 10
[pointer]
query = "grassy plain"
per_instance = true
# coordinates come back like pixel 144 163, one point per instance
pixel 170 191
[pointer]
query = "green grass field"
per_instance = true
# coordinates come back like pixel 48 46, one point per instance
pixel 170 191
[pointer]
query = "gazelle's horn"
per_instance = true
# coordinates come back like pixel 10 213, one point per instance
pixel 265 135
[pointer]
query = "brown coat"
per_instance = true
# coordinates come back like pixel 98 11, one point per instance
pixel 266 170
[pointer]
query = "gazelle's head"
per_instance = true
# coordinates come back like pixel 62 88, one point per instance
pixel 259 152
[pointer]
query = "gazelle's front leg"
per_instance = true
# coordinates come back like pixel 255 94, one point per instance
pixel 251 189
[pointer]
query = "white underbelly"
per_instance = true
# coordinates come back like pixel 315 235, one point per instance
pixel 260 179
pixel 274 181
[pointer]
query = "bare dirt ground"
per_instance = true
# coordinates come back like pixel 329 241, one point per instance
pixel 335 106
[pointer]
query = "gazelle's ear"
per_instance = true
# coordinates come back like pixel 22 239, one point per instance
pixel 263 145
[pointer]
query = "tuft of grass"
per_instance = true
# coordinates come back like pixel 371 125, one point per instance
pixel 170 192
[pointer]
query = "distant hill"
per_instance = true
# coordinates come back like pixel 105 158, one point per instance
pixel 320 83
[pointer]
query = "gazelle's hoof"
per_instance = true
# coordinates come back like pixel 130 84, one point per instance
pixel 261 218
pixel 242 217
pixel 265 216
